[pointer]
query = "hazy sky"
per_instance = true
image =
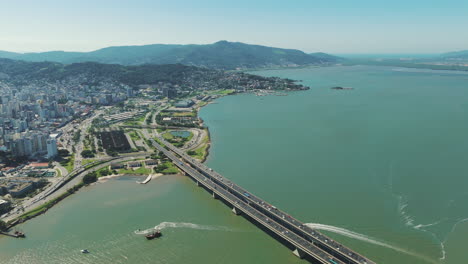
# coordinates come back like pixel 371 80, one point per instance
pixel 334 26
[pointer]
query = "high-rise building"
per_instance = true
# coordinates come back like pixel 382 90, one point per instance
pixel 51 148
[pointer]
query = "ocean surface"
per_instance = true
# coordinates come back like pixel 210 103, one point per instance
pixel 382 168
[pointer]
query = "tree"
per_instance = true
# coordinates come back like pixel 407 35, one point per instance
pixel 63 152
pixel 90 177
pixel 87 153
pixel 160 168
pixel 3 226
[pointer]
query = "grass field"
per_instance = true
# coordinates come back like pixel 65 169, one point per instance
pixel 134 135
pixel 87 161
pixel 223 92
pixel 167 136
pixel 141 170
pixel 202 151
pixel 171 168
pixel 68 163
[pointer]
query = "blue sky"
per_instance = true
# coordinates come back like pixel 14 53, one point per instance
pixel 334 26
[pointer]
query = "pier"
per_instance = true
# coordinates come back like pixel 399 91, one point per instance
pixel 303 240
pixel 148 179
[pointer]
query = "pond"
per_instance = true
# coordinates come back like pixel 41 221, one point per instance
pixel 181 133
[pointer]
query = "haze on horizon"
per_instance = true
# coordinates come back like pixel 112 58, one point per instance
pixel 341 27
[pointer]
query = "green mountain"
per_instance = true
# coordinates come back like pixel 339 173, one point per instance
pixel 463 55
pixel 220 55
pixel 39 74
pixel 326 56
pixel 23 71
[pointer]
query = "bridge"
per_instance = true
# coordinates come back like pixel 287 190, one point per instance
pixel 305 241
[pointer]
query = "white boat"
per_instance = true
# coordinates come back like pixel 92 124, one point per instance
pixel 84 251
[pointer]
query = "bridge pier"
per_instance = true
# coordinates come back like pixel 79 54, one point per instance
pixel 198 184
pixel 215 196
pixel 236 211
pixel 299 253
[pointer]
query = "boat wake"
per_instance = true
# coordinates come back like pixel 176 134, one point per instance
pixel 365 238
pixel 164 225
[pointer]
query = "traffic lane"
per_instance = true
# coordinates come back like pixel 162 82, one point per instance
pixel 312 234
pixel 275 227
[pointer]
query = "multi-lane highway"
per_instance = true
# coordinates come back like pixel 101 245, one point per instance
pixel 58 188
pixel 302 245
pixel 298 234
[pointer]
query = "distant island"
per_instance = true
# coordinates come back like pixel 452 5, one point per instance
pixel 456 61
pixel 341 88
pixel 220 55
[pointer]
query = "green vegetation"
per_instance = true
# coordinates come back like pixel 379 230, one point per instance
pixel 131 123
pixel 87 153
pixel 141 170
pixel 90 178
pixel 166 168
pixel 178 114
pixel 159 142
pixel 63 152
pixel 141 118
pixel 167 136
pixel 87 161
pixel 149 119
pixel 58 173
pixel 88 143
pixel 176 140
pixel 200 152
pixel 77 136
pixel 134 135
pixel 223 92
pixel 3 226
pixel 220 55
pixel 68 163
pixel 175 74
pixel 103 172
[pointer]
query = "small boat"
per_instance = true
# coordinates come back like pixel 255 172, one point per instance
pixel 84 251
pixel 19 234
pixel 154 234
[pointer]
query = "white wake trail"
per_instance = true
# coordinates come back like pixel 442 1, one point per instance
pixel 365 238
pixel 164 225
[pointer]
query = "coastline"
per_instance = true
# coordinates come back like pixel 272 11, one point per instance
pixel 42 209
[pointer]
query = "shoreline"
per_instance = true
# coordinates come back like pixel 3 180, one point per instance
pixel 42 209
pixel 110 177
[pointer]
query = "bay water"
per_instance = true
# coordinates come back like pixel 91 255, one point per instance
pixel 382 168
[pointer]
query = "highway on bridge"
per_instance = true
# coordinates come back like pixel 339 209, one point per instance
pixel 305 239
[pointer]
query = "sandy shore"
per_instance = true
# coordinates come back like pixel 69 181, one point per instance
pixel 106 178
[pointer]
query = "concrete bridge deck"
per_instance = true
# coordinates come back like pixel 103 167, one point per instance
pixel 305 239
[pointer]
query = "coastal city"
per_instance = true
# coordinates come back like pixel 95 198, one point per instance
pixel 56 135
pixel 208 132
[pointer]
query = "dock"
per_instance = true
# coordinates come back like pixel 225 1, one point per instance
pixel 148 179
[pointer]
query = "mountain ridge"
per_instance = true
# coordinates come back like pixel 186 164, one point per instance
pixel 219 55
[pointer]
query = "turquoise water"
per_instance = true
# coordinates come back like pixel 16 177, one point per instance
pixel 181 133
pixel 382 168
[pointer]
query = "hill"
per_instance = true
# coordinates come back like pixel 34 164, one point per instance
pixel 20 73
pixel 219 55
pixel 463 55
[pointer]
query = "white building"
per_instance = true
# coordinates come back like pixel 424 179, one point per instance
pixel 51 148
